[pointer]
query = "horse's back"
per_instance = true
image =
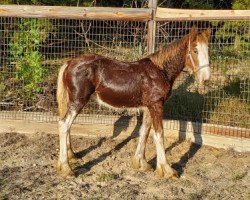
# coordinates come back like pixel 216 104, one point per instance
pixel 118 83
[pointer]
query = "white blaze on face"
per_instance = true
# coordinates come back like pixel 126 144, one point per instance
pixel 203 58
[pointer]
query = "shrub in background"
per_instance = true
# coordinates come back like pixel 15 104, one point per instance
pixel 24 51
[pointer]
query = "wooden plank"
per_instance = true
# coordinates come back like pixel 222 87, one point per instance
pixel 164 14
pixel 63 12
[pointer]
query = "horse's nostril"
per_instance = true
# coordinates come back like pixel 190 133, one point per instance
pixel 206 82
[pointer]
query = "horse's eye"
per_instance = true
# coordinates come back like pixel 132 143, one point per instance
pixel 195 50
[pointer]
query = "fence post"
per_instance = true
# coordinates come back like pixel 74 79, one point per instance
pixel 152 4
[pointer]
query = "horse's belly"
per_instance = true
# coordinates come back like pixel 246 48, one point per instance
pixel 119 100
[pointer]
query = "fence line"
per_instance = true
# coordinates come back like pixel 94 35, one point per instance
pixel 86 13
pixel 164 14
pixel 42 38
pixel 127 14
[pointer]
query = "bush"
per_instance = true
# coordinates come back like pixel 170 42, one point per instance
pixel 24 46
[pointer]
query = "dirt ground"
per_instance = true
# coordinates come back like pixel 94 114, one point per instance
pixel 103 170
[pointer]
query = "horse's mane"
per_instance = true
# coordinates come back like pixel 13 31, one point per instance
pixel 168 52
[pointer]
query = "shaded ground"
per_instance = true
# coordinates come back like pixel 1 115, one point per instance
pixel 104 172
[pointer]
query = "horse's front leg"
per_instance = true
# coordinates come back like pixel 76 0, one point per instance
pixel 163 169
pixel 64 130
pixel 139 160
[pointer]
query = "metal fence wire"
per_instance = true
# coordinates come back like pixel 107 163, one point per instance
pixel 32 50
pixel 226 100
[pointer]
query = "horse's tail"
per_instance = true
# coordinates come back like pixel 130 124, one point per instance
pixel 62 94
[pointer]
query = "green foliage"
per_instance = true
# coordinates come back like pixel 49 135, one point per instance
pixel 234 33
pixel 24 47
pixel 106 177
pixel 201 4
pixel 204 4
pixel 237 34
pixel 241 5
pixel 64 2
pixel 238 175
pixel 198 4
pixel 231 112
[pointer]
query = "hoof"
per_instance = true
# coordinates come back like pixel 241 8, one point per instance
pixel 71 155
pixel 141 164
pixel 166 171
pixel 64 171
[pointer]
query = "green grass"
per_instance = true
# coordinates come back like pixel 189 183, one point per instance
pixel 106 177
pixel 231 112
pixel 238 175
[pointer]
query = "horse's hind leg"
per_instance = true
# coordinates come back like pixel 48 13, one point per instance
pixel 64 130
pixel 139 160
pixel 162 167
pixel 75 105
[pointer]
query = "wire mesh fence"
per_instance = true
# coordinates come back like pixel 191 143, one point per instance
pixel 226 98
pixel 32 50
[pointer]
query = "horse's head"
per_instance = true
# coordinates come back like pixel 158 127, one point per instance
pixel 197 55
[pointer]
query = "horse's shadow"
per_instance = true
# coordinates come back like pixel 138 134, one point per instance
pixel 193 148
pixel 120 125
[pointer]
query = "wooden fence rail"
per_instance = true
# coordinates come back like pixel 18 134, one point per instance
pixel 63 12
pixel 108 13
pixel 165 14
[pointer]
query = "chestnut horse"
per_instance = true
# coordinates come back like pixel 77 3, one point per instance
pixel 145 84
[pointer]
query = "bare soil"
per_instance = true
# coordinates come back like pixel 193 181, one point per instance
pixel 103 170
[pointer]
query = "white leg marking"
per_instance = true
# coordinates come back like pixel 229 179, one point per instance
pixel 139 160
pixel 68 141
pixel 143 134
pixel 158 140
pixel 64 127
pixel 162 168
pixel 140 150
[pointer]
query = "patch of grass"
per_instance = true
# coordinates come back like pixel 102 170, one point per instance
pixel 3 182
pixel 3 197
pixel 238 175
pixel 231 112
pixel 86 175
pixel 106 177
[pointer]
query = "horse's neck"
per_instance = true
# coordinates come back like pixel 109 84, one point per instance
pixel 175 62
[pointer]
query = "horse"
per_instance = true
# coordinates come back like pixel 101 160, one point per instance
pixel 144 84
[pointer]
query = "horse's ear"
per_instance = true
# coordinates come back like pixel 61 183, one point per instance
pixel 207 33
pixel 194 29
pixel 194 32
